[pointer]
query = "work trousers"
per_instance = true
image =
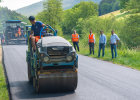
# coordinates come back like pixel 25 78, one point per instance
pixel 91 48
pixel 76 45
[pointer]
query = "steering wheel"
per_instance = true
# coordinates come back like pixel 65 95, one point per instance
pixel 48 26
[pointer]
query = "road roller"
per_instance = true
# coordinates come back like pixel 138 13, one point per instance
pixel 53 66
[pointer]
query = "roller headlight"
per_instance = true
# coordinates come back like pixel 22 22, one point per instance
pixel 73 54
pixel 69 58
pixel 46 59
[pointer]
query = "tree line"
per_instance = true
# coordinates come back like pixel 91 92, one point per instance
pixel 107 6
pixel 6 14
pixel 84 16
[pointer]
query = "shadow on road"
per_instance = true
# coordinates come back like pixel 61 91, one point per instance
pixel 24 90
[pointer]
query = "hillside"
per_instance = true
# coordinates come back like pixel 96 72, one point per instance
pixel 31 9
pixel 117 14
pixel 38 7
pixel 6 14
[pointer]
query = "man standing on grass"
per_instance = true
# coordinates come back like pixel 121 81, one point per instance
pixel 75 40
pixel 91 42
pixel 102 43
pixel 113 42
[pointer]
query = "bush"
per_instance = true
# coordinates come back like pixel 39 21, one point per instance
pixel 131 31
pixel 82 10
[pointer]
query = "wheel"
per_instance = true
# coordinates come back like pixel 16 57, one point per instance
pixel 37 89
pixel 76 64
pixel 36 85
pixel 74 83
pixel 29 74
pixel 35 78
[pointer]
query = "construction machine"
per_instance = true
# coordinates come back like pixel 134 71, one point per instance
pixel 14 32
pixel 53 66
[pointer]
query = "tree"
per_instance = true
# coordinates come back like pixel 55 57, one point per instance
pixel 131 31
pixel 52 13
pixel 42 17
pixel 81 10
pixel 123 3
pixel 107 6
pixel 133 6
pixel 116 6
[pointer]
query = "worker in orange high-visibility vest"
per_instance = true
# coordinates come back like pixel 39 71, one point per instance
pixel 19 31
pixel 91 42
pixel 75 40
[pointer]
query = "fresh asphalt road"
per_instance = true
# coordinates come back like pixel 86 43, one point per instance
pixel 98 80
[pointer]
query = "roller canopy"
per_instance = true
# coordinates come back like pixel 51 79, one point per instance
pixel 13 21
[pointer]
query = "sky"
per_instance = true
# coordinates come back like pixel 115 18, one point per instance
pixel 16 4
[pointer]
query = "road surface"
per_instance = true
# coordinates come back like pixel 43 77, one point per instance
pixel 98 80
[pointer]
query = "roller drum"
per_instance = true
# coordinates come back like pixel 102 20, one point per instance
pixel 57 82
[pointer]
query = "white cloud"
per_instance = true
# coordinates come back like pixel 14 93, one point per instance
pixel 16 4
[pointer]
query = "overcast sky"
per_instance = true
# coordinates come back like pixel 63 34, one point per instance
pixel 16 4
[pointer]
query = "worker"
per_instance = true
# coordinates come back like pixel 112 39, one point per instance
pixel 102 43
pixel 37 26
pixel 19 31
pixel 16 35
pixel 91 42
pixel 113 42
pixel 75 40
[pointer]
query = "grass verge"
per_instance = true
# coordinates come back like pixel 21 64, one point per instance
pixel 129 58
pixel 126 57
pixel 3 86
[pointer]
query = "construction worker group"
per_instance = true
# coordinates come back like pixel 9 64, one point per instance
pixel 114 39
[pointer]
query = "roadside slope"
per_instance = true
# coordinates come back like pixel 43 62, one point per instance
pixel 3 86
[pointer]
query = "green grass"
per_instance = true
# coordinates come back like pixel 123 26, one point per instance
pixel 3 86
pixel 126 57
pixel 129 58
pixel 122 15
